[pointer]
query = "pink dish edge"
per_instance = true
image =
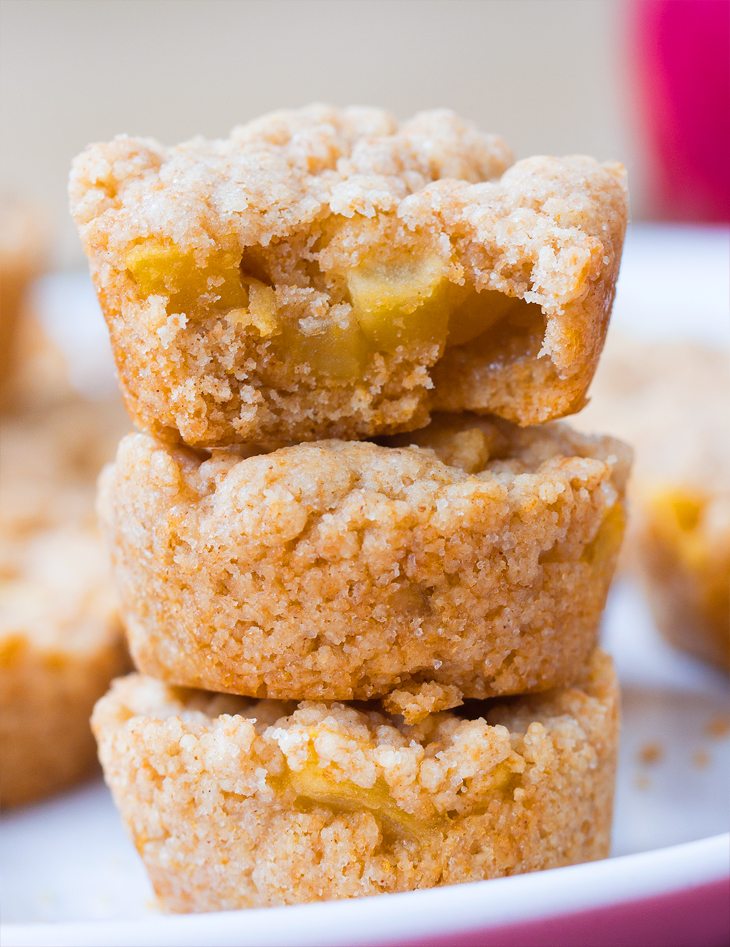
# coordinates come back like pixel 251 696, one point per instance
pixel 696 916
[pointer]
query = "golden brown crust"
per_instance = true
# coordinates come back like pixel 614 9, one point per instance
pixel 345 570
pixel 311 195
pixel 233 803
pixel 531 377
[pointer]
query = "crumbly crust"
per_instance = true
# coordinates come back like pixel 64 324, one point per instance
pixel 479 560
pixel 306 196
pixel 416 702
pixel 234 804
pixel 671 400
pixel 60 635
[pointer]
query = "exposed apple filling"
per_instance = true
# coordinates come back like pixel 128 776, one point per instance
pixel 607 541
pixel 604 545
pixel 315 785
pixel 676 516
pixel 387 304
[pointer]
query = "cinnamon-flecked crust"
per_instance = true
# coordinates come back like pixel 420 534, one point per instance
pixel 61 639
pixel 546 230
pixel 208 787
pixel 479 560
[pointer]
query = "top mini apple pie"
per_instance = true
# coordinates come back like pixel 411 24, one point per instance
pixel 329 273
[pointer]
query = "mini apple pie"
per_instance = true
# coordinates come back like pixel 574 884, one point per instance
pixel 61 639
pixel 478 559
pixel 330 273
pixel 236 803
pixel 672 400
pixel 684 544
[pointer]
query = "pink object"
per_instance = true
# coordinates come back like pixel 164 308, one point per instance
pixel 694 917
pixel 682 58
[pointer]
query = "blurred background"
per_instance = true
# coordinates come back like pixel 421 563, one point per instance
pixel 552 76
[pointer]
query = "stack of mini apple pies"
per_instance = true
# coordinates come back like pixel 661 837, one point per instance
pixel 361 568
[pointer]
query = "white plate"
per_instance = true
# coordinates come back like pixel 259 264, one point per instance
pixel 69 875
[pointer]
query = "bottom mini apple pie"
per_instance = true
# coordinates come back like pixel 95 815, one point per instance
pixel 235 803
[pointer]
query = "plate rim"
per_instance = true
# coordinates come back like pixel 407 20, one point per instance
pixel 388 918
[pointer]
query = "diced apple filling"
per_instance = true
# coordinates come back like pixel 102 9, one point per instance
pixel 164 269
pixel 260 314
pixel 676 515
pixel 474 313
pixel 408 302
pixel 338 349
pixel 402 304
pixel 607 541
pixel 314 784
pixel 682 510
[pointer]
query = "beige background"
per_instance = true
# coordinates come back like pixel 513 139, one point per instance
pixel 550 75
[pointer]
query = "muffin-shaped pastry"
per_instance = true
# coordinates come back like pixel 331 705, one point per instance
pixel 236 803
pixel 478 560
pixel 60 646
pixel 672 401
pixel 330 273
pixel 61 640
